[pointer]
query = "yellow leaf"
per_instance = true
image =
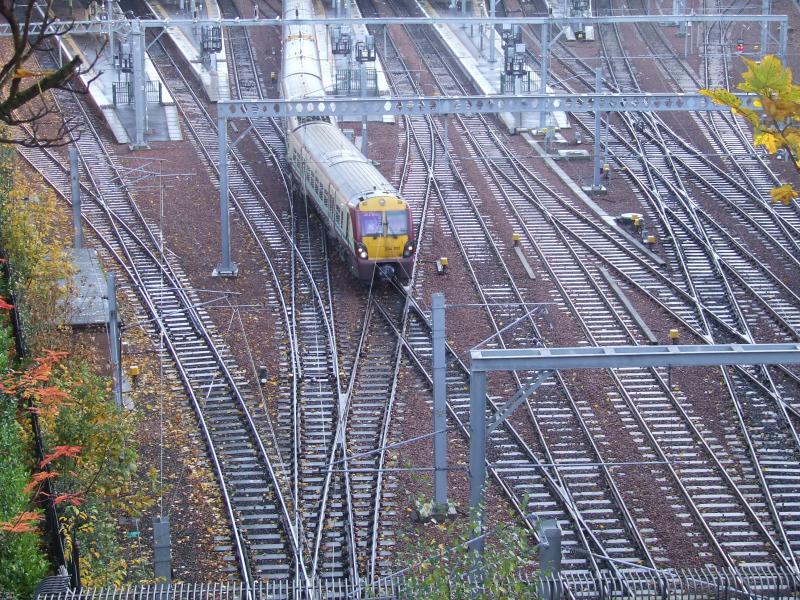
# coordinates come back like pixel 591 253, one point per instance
pixel 785 193
pixel 765 76
pixel 769 140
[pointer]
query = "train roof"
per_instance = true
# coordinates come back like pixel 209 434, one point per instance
pixel 357 178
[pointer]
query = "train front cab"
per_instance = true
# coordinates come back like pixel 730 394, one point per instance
pixel 384 238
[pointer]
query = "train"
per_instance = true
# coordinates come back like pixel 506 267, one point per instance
pixel 365 216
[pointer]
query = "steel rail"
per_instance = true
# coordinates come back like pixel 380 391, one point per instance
pixel 236 39
pixel 581 265
pixel 789 231
pixel 427 57
pixel 291 530
pixel 257 130
pixel 705 242
pixel 128 264
pixel 735 124
pixel 402 82
pixel 589 82
pixel 690 499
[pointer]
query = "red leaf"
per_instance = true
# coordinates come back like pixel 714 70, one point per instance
pixel 5 305
pixel 74 499
pixel 60 452
pixel 24 523
pixel 38 479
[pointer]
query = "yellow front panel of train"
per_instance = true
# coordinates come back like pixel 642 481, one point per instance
pixel 384 227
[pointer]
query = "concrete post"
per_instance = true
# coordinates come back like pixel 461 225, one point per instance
pixel 783 40
pixel 446 137
pixel 75 185
pixel 110 18
pixel 518 92
pixel 114 335
pixel 545 43
pixel 550 559
pixel 139 82
pixel 439 403
pixel 162 550
pixel 362 68
pixel 598 123
pixel 477 452
pixel 226 268
pixel 765 10
pixel 493 32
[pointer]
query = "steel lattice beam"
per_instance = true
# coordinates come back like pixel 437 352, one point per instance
pixel 439 105
pixel 604 357
pixel 122 25
pixel 612 357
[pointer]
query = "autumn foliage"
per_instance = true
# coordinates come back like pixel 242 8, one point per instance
pixel 87 458
pixel 776 118
pixel 32 388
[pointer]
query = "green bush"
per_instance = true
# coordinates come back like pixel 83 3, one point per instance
pixel 22 561
pixel 102 474
pixel 444 573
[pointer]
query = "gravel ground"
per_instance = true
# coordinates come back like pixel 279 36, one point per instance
pixel 253 331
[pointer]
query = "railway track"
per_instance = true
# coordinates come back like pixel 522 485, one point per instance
pixel 327 502
pixel 631 382
pixel 729 314
pixel 521 477
pixel 335 505
pixel 215 386
pixel 299 261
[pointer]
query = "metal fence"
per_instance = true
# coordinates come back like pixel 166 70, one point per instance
pixel 122 92
pixel 699 584
pixel 507 83
pixel 348 82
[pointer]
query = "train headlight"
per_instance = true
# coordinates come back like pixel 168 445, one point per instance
pixel 409 248
pixel 361 251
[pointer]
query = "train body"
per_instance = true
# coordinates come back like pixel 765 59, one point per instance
pixel 364 214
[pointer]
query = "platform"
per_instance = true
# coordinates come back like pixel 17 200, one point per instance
pixel 108 88
pixel 88 300
pixel 329 62
pixel 471 47
pixel 211 72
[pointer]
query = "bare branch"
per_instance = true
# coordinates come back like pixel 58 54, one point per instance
pixel 24 89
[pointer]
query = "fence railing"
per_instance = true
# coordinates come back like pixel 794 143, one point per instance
pixel 694 584
pixel 348 82
pixel 122 92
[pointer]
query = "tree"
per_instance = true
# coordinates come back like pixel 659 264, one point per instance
pixel 439 572
pixel 777 126
pixel 24 97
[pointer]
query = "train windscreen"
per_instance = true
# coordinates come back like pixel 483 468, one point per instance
pixel 371 223
pixel 397 222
